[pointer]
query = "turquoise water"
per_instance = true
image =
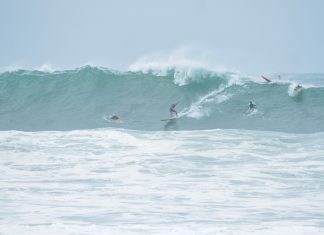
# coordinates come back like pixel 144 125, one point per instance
pixel 216 170
pixel 81 98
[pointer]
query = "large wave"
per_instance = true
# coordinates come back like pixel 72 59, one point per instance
pixel 81 98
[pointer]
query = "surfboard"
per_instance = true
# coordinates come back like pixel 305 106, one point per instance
pixel 250 112
pixel 169 119
pixel 266 79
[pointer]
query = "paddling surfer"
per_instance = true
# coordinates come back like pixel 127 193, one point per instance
pixel 114 117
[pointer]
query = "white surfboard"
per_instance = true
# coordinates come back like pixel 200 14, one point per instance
pixel 169 119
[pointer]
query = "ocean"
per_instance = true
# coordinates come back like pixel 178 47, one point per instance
pixel 66 168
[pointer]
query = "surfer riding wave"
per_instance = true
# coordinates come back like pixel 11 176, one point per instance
pixel 173 111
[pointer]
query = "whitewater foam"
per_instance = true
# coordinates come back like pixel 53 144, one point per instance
pixel 184 69
pixel 186 182
pixel 197 110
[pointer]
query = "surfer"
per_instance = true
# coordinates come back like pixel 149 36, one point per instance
pixel 172 110
pixel 298 87
pixel 251 106
pixel 114 117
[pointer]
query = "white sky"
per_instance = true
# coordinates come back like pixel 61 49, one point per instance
pixel 252 36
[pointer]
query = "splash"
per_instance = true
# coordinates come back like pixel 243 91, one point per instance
pixel 182 67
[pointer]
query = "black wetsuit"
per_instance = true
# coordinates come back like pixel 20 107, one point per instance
pixel 114 117
pixel 172 110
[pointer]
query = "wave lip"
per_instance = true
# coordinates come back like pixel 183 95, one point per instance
pixel 183 69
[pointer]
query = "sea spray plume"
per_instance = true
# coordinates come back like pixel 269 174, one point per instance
pixel 183 68
pixel 10 68
pixel 46 68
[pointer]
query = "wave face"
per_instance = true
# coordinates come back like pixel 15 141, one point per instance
pixel 81 98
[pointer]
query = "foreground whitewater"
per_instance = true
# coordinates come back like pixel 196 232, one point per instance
pixel 115 181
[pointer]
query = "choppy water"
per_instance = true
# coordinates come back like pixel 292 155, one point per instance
pixel 216 170
pixel 135 182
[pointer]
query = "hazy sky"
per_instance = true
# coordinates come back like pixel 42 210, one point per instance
pixel 251 36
